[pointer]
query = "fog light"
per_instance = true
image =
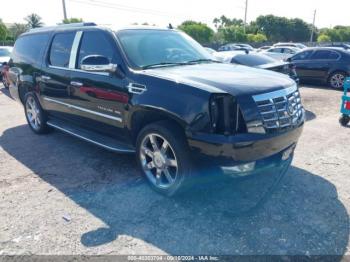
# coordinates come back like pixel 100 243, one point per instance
pixel 286 154
pixel 240 169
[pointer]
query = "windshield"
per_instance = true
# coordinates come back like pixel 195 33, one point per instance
pixel 146 48
pixel 252 60
pixel 4 52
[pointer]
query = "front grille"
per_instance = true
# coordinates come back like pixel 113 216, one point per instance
pixel 280 110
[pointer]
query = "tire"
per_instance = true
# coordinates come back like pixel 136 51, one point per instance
pixel 162 151
pixel 336 80
pixel 35 115
pixel 344 120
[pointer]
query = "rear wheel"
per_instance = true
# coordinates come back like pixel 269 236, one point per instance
pixel 336 80
pixel 35 115
pixel 163 155
pixel 344 120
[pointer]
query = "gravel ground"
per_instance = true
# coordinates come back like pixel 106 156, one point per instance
pixel 60 195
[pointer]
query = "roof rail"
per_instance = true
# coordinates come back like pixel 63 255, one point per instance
pixel 62 26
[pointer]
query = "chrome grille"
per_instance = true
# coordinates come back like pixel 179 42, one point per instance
pixel 281 109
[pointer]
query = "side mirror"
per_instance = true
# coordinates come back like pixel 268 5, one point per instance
pixel 289 59
pixel 97 63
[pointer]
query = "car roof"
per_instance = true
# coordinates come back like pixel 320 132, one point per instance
pixel 89 25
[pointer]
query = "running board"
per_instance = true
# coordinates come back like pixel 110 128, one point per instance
pixel 91 137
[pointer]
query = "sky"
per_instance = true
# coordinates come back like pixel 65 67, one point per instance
pixel 118 13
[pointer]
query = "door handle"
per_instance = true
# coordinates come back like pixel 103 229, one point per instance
pixel 76 84
pixel 45 78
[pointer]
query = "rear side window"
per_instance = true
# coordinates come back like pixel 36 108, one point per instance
pixel 60 49
pixel 97 43
pixel 29 49
pixel 325 55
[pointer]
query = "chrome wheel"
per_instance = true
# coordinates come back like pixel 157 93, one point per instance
pixel 337 80
pixel 33 113
pixel 158 161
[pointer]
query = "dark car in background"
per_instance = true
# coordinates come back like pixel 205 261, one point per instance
pixel 258 60
pixel 324 65
pixel 340 45
pixel 232 47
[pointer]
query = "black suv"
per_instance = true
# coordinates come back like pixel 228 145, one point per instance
pixel 159 94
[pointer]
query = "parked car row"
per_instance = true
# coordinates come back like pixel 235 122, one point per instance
pixel 325 65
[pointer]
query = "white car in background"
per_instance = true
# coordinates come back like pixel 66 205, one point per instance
pixel 297 45
pixel 5 52
pixel 281 53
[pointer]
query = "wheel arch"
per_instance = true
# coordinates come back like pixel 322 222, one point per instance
pixel 146 115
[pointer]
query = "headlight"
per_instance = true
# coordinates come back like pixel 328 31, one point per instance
pixel 225 115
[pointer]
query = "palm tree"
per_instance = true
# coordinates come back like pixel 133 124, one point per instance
pixel 18 29
pixel 34 21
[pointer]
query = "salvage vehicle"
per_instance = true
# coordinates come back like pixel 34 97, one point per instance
pixel 258 60
pixel 325 65
pixel 281 53
pixel 158 94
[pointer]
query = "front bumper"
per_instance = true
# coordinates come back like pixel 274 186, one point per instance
pixel 234 150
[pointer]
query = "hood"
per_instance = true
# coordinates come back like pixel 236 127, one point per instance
pixel 273 65
pixel 228 78
pixel 4 59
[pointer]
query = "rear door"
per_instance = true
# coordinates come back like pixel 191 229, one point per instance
pixel 321 62
pixel 55 77
pixel 100 97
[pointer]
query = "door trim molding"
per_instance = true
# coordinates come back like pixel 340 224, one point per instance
pixel 119 119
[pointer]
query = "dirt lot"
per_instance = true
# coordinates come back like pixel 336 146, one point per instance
pixel 60 195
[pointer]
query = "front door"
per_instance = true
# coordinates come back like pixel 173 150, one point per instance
pixel 100 97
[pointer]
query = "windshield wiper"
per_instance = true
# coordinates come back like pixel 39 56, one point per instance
pixel 202 60
pixel 162 64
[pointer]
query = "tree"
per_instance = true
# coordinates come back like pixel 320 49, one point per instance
pixel 259 38
pixel 17 29
pixel 199 31
pixel 234 33
pixel 3 31
pixel 323 38
pixel 283 29
pixel 72 20
pixel 223 21
pixel 34 21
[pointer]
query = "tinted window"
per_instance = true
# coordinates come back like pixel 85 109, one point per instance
pixel 276 50
pixel 288 51
pixel 29 49
pixel 325 55
pixel 252 60
pixel 60 49
pixel 4 52
pixel 302 55
pixel 97 43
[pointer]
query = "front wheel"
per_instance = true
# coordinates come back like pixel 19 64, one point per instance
pixel 336 80
pixel 344 120
pixel 35 115
pixel 163 155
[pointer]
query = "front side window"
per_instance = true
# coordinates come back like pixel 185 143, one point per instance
pixel 302 55
pixel 60 49
pixel 97 43
pixel 145 48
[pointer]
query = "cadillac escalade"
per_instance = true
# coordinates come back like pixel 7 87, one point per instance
pixel 159 94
